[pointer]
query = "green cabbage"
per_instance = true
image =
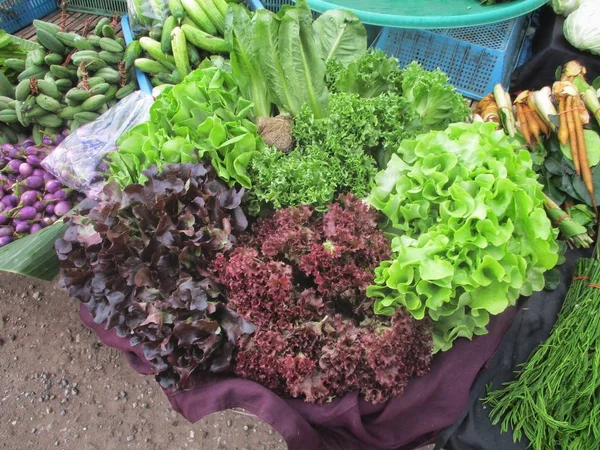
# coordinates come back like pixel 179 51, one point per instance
pixel 469 232
pixel 581 27
pixel 564 7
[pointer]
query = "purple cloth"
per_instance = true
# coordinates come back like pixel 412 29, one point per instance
pixel 430 403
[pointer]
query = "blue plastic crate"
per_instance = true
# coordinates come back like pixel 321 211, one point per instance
pixel 475 58
pixel 144 80
pixel 17 14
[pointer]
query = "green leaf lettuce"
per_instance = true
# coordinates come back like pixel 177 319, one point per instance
pixel 465 214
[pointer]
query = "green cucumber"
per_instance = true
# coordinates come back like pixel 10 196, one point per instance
pixel 77 95
pixel 48 103
pixel 50 120
pixel 93 103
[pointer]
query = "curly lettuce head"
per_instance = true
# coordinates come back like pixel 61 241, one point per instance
pixel 469 232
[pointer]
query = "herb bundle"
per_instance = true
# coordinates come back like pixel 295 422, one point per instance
pixel 554 401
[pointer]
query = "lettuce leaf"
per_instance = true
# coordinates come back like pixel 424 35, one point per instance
pixel 341 35
pixel 241 36
pixel 465 215
pixel 371 75
pixel 302 60
pixel 432 97
pixel 205 117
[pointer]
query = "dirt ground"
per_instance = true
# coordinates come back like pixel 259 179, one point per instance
pixel 61 388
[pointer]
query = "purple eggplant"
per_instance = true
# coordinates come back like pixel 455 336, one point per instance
pixel 5 240
pixel 6 231
pixel 38 172
pixel 34 182
pixel 7 148
pixel 22 227
pixel 26 213
pixel 14 165
pixel 60 195
pixel 53 186
pixel 49 209
pixel 3 219
pixel 29 198
pixel 39 206
pixel 35 228
pixel 10 200
pixel 62 208
pixel 25 169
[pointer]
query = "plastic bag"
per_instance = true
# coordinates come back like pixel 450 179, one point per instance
pixel 146 15
pixel 78 161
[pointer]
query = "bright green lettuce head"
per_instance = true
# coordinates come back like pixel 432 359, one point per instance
pixel 204 117
pixel 469 232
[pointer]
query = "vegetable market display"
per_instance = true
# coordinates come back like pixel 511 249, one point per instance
pixel 296 269
pixel 299 210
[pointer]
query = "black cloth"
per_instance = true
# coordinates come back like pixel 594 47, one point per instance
pixel 532 325
pixel 550 50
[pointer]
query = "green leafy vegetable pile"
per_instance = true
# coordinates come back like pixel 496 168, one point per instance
pixel 280 59
pixel 469 231
pixel 373 106
pixel 558 174
pixel 203 117
pixel 139 260
pixel 308 176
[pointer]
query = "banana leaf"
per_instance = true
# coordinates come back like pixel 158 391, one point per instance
pixel 34 255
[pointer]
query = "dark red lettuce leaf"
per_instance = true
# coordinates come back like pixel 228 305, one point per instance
pixel 138 260
pixel 301 278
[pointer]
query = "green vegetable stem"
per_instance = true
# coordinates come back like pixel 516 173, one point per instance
pixel 554 400
pixel 575 233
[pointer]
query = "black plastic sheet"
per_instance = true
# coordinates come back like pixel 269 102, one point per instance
pixel 550 50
